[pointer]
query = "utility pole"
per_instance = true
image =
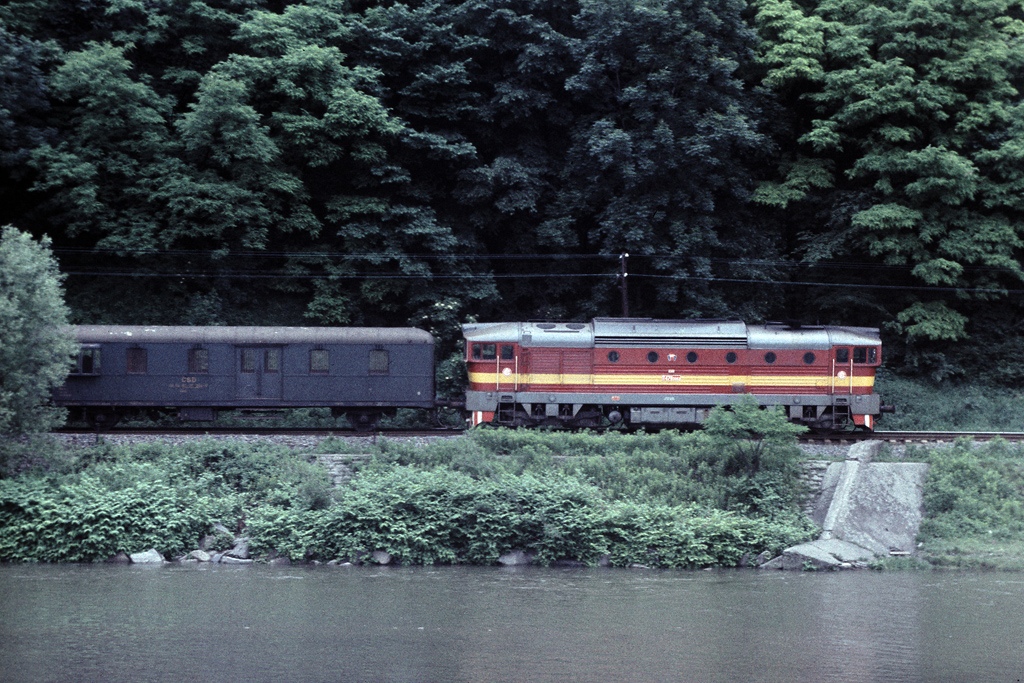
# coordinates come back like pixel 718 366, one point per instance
pixel 623 288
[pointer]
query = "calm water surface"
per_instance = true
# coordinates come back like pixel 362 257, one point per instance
pixel 216 623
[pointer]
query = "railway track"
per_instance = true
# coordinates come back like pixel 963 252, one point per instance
pixel 258 431
pixel 923 437
pixel 844 437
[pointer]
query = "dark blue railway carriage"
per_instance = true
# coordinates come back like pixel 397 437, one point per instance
pixel 359 372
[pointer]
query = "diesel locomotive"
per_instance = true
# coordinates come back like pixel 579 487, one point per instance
pixel 659 373
pixel 611 371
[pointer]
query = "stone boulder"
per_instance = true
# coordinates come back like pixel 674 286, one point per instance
pixel 151 556
pixel 516 558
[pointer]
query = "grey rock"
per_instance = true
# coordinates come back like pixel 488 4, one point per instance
pixel 381 557
pixel 227 559
pixel 151 556
pixel 763 558
pixel 516 558
pixel 776 563
pixel 198 556
pixel 120 558
pixel 808 555
pixel 241 548
pixel 280 561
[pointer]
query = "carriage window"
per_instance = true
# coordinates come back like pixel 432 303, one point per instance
pixel 87 362
pixel 138 363
pixel 198 361
pixel 271 360
pixel 319 362
pixel 507 352
pixel 379 361
pixel 842 355
pixel 485 351
pixel 249 357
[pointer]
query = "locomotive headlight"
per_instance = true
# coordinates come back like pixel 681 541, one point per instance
pixel 842 374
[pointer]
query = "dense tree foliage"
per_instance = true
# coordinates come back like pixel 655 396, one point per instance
pixel 427 161
pixel 903 150
pixel 35 344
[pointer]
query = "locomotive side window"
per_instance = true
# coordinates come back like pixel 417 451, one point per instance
pixel 652 357
pixel 809 358
pixel 770 357
pixel 506 352
pixel 872 354
pixel 87 362
pixel 865 354
pixel 198 361
pixel 379 362
pixel 613 356
pixel 138 362
pixel 730 357
pixel 485 351
pixel 691 357
pixel 842 355
pixel 319 361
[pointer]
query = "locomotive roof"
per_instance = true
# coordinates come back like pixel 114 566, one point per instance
pixel 646 332
pixel 94 334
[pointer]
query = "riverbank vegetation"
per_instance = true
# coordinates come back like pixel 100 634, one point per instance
pixel 974 506
pixel 665 500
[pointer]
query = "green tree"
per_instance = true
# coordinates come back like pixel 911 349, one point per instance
pixel 903 149
pixel 661 150
pixel 754 438
pixel 35 343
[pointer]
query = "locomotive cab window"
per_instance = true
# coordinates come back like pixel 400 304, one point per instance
pixel 842 355
pixel 138 362
pixel 198 361
pixel 865 354
pixel 87 362
pixel 379 362
pixel 506 352
pixel 485 351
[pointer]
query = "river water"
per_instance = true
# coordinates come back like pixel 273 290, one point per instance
pixel 260 623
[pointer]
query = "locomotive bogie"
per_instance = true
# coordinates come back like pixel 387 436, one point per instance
pixel 198 371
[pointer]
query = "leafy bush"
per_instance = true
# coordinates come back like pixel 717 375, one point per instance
pixel 662 536
pixel 975 490
pixel 89 521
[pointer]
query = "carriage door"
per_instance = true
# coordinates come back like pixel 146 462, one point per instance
pixel 259 372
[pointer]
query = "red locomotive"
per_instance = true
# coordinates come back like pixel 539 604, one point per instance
pixel 668 373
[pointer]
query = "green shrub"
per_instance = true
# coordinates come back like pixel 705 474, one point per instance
pixel 88 521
